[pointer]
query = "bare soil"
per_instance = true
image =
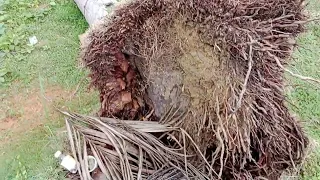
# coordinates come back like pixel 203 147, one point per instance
pixel 27 110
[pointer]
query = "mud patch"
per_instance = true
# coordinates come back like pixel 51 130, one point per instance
pixel 204 66
pixel 27 110
pixel 7 123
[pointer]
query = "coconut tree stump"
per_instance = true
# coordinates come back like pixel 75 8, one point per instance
pixel 218 62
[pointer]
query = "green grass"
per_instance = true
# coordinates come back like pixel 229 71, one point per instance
pixel 53 62
pixel 31 158
pixel 55 56
pixel 305 97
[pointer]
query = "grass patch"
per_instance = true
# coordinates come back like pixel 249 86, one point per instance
pixel 51 62
pixel 55 55
pixel 305 97
pixel 31 156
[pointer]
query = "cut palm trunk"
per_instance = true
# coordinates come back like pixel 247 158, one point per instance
pixel 95 10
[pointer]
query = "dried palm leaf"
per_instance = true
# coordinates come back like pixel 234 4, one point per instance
pixel 127 150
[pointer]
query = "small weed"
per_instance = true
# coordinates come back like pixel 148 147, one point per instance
pixel 16 15
pixel 15 20
pixel 3 72
pixel 56 26
pixel 21 172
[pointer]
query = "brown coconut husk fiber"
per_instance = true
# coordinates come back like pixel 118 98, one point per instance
pixel 217 66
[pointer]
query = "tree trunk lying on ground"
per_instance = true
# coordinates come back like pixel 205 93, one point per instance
pixel 94 10
pixel 215 67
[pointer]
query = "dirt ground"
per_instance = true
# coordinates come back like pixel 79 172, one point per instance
pixel 27 110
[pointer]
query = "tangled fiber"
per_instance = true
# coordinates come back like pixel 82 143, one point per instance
pixel 218 65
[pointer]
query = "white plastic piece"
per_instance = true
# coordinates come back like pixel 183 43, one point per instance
pixel 33 40
pixel 57 154
pixel 94 163
pixel 67 161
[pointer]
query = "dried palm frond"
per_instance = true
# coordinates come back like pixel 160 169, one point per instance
pixel 127 150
